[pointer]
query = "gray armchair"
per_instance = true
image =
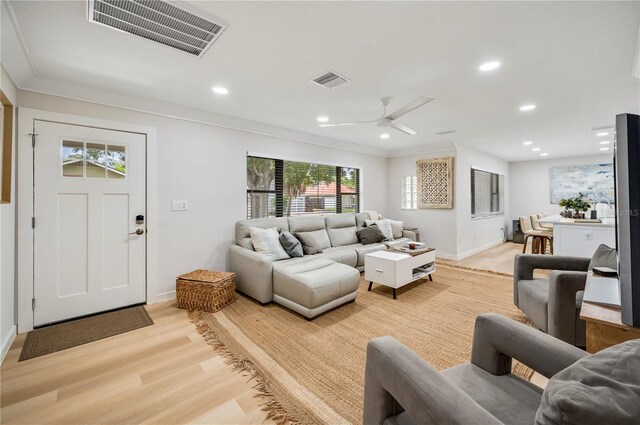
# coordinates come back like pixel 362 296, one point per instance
pixel 403 389
pixel 552 304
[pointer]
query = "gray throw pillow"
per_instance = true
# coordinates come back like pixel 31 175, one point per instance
pixel 369 235
pixel 603 388
pixel 291 244
pixel 314 242
pixel 604 257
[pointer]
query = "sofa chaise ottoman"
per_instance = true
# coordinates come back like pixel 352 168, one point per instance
pixel 311 286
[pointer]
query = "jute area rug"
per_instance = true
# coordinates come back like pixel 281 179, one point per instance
pixel 313 372
pixel 82 331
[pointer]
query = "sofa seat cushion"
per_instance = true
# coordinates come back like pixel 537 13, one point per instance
pixel 509 398
pixel 401 419
pixel 312 282
pixel 340 254
pixel 363 250
pixel 532 300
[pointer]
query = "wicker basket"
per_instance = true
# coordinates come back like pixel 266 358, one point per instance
pixel 205 290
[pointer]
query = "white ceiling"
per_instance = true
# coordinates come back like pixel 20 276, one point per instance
pixel 574 60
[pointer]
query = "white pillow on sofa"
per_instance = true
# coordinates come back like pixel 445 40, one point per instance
pixel 396 226
pixel 384 226
pixel 267 242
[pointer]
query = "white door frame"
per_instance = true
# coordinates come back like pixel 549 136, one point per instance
pixel 26 117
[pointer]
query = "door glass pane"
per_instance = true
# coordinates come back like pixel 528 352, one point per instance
pixel 116 162
pixel 95 161
pixel 72 158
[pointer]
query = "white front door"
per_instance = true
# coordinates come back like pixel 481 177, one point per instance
pixel 89 187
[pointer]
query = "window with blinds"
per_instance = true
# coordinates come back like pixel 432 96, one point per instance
pixel 278 188
pixel 487 193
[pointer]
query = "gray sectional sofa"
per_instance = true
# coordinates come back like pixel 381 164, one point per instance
pixel 312 284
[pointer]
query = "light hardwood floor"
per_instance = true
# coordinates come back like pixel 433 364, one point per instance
pixel 161 374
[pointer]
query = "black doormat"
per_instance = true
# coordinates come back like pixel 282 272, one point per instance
pixel 77 332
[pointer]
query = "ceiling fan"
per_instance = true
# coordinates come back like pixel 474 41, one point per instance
pixel 390 120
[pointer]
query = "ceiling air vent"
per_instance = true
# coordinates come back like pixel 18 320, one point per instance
pixel 330 80
pixel 157 21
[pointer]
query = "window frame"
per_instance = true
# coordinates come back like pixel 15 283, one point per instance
pixel 495 196
pixel 278 189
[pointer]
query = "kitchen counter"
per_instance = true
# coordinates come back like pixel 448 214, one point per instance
pixel 580 238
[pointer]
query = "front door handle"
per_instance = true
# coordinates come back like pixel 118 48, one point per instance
pixel 137 232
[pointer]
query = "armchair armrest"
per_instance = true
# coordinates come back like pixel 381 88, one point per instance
pixel 497 339
pixel 413 235
pixel 525 264
pixel 563 286
pixel 397 379
pixel 253 271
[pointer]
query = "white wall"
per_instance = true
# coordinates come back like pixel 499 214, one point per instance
pixel 474 235
pixel 206 166
pixel 451 231
pixel 8 241
pixel 438 227
pixel 530 183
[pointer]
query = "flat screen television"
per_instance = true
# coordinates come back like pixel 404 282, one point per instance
pixel 627 181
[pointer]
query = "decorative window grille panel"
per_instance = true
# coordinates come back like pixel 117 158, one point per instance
pixel 487 193
pixel 409 193
pixel 435 183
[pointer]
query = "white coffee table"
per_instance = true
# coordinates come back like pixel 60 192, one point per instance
pixel 396 269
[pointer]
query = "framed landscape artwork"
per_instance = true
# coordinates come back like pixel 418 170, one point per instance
pixel 435 183
pixel 595 181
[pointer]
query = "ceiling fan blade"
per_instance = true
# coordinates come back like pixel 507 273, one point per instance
pixel 422 100
pixel 403 128
pixel 346 123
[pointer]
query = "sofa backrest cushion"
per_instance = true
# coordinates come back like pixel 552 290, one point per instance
pixel 314 242
pixel 341 229
pixel 603 388
pixel 604 257
pixel 305 223
pixel 360 218
pixel 243 237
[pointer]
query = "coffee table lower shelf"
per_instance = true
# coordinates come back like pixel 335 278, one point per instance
pixel 396 269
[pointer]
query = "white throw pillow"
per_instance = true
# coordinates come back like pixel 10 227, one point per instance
pixel 396 226
pixel 384 226
pixel 267 242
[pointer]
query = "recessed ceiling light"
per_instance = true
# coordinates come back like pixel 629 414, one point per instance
pixel 527 107
pixel 489 66
pixel 604 149
pixel 544 154
pixel 220 90
pixel 527 143
pixel 384 136
pixel 536 149
pixel 602 134
pixel 605 142
pixel 322 118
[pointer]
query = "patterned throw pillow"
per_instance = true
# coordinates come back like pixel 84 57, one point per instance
pixel 384 226
pixel 267 242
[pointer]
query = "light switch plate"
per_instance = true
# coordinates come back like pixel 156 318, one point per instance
pixel 179 205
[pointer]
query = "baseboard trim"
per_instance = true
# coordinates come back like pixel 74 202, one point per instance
pixel 445 256
pixel 165 296
pixel 479 249
pixel 8 340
